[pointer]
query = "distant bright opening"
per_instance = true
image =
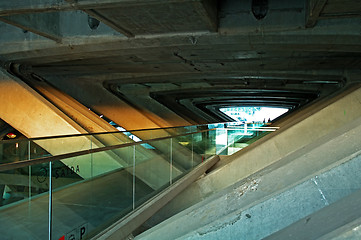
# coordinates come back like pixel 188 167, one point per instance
pixel 125 132
pixel 253 114
pixel 131 136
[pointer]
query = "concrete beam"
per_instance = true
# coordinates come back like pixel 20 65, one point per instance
pixel 176 16
pixel 44 24
pixel 188 78
pixel 110 23
pixel 18 97
pixel 91 122
pixel 124 227
pixel 97 15
pixel 37 6
pixel 128 116
pixel 99 99
pixel 32 6
pixel 296 132
pixel 324 221
pixel 236 17
pixel 119 14
pixel 341 9
pixel 347 231
pixel 308 41
pixel 301 183
pixel 34 116
pixel 315 8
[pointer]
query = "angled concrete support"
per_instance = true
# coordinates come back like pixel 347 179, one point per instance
pixel 108 22
pixel 44 24
pixel 279 195
pixel 297 132
pixel 102 101
pixel 315 7
pixel 31 6
pixel 32 115
pixel 322 223
pixel 55 113
pixel 124 227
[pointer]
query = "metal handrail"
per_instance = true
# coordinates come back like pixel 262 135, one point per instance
pixel 26 163
pixel 260 129
pixel 92 134
pixel 101 133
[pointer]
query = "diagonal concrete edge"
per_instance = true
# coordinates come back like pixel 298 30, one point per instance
pixel 298 132
pixel 323 221
pixel 122 228
pixel 263 186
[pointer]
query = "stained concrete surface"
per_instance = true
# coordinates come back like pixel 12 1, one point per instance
pixel 299 133
pixel 274 197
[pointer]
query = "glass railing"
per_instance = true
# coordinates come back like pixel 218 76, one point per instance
pixel 26 149
pixel 82 192
pixel 81 184
pixel 234 138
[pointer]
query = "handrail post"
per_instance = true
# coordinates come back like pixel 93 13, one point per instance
pixel 50 200
pixel 171 162
pixel 192 151
pixel 133 187
pixel 29 194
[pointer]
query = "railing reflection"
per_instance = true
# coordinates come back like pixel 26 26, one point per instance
pixel 94 179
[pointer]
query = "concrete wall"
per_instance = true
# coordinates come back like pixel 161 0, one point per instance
pixel 301 183
pixel 299 131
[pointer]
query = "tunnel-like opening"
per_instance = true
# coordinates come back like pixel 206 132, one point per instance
pixel 254 113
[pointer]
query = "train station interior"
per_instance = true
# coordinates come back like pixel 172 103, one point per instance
pixel 180 119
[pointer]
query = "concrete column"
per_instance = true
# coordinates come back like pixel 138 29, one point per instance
pixel 34 116
pixel 100 100
pixel 95 96
pixel 31 114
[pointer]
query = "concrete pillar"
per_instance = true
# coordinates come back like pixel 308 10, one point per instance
pixel 95 96
pixel 102 101
pixel 300 130
pixel 34 116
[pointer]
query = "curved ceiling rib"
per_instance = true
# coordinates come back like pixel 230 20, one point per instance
pixel 207 102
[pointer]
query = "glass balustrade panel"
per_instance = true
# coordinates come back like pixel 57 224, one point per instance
pixel 183 152
pixel 91 191
pixel 24 202
pixel 153 170
pixel 14 150
pixel 98 191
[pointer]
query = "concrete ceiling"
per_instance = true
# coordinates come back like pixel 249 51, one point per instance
pixel 192 56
